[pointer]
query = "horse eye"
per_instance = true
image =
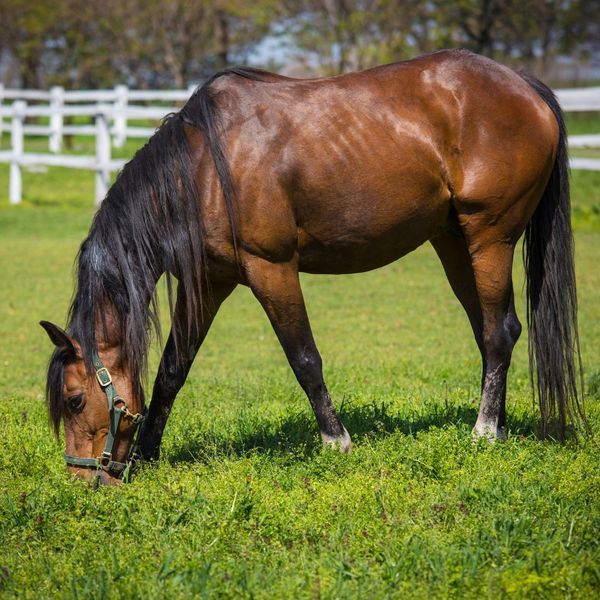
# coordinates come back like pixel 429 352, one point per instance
pixel 75 403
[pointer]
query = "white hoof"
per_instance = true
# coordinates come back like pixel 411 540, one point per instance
pixel 343 443
pixel 488 431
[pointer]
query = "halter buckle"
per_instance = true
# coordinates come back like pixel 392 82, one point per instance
pixel 105 458
pixel 103 377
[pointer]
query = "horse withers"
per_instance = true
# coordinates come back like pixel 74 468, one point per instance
pixel 261 176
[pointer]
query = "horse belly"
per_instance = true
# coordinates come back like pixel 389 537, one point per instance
pixel 367 194
pixel 370 232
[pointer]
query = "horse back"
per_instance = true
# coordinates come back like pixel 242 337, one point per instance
pixel 354 171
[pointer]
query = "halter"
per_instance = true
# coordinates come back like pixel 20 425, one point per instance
pixel 117 408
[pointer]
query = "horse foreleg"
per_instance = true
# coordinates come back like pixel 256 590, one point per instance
pixel 277 288
pixel 173 369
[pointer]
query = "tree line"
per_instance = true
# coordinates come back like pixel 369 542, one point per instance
pixel 170 43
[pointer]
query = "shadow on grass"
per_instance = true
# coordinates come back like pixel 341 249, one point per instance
pixel 295 435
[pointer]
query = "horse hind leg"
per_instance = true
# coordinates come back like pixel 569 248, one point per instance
pixel 489 304
pixel 277 288
pixel 492 269
pixel 453 253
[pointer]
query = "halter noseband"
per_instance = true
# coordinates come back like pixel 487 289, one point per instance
pixel 117 408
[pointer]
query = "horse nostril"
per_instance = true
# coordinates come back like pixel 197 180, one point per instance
pixel 81 473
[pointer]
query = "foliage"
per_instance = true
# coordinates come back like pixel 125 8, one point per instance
pixel 343 35
pixel 174 42
pixel 244 503
pixel 143 43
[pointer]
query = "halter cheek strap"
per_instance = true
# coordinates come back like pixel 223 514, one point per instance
pixel 117 409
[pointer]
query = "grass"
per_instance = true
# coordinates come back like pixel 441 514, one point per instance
pixel 580 123
pixel 244 503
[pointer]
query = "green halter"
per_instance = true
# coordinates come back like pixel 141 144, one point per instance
pixel 117 408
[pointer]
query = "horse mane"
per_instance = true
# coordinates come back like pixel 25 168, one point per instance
pixel 150 223
pixel 201 111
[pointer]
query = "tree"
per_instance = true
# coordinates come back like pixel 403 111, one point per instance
pixel 165 43
pixel 26 27
pixel 138 42
pixel 334 36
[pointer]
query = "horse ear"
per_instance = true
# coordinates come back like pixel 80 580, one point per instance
pixel 57 335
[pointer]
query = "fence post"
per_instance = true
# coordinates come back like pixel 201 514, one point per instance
pixel 1 115
pixel 191 88
pixel 16 181
pixel 120 120
pixel 102 153
pixel 57 96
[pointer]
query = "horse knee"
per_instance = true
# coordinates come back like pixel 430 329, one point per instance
pixel 306 364
pixel 169 381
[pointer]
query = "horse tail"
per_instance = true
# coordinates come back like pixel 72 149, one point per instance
pixel 555 366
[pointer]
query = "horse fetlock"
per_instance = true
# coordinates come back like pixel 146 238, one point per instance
pixel 342 442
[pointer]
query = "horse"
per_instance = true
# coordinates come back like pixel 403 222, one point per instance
pixel 260 176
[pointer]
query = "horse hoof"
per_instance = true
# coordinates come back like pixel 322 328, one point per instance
pixel 150 458
pixel 489 432
pixel 343 443
pixel 150 454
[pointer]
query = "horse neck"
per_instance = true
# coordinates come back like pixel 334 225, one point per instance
pixel 110 344
pixel 148 224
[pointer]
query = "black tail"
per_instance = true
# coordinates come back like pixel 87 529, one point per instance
pixel 554 358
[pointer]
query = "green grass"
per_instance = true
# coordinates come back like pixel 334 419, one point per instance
pixel 244 502
pixel 583 122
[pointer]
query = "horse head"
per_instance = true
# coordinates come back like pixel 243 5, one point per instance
pixel 99 423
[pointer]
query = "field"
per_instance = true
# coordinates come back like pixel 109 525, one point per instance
pixel 244 502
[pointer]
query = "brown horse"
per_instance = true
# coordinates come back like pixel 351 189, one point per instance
pixel 261 176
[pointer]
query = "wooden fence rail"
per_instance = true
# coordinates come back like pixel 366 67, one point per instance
pixel 57 100
pixel 111 111
pixel 101 163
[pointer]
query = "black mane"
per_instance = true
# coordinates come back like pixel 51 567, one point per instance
pixel 201 111
pixel 150 223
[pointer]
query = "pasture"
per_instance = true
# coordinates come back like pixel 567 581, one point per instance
pixel 244 502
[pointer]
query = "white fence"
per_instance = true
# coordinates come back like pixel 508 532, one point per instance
pixel 111 110
pixel 582 100
pixel 101 163
pixel 57 99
